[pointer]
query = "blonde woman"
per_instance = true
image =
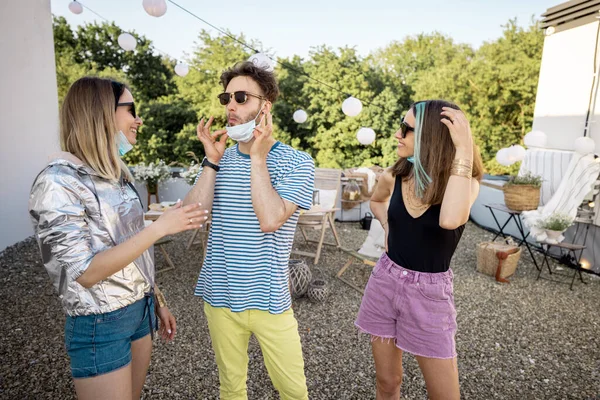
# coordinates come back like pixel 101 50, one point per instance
pixel 88 221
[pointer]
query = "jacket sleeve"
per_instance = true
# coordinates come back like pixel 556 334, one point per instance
pixel 60 224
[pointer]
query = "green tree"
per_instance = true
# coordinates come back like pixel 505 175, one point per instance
pixel 95 47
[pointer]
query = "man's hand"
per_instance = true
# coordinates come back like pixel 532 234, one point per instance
pixel 263 139
pixel 212 148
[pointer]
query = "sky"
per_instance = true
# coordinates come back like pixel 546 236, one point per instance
pixel 287 28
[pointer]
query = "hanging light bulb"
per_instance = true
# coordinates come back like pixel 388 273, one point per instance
pixel 182 69
pixel 75 7
pixel 156 8
pixel 365 136
pixel 352 106
pixel 127 41
pixel 300 116
pixel 591 204
pixel 585 145
pixel 535 139
pixel 517 152
pixel 263 61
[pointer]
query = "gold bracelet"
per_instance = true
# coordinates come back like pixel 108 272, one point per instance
pixel 462 171
pixel 159 297
pixel 462 162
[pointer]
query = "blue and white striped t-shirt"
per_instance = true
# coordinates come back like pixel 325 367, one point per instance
pixel 246 268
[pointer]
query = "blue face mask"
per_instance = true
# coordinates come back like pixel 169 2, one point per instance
pixel 123 144
pixel 411 159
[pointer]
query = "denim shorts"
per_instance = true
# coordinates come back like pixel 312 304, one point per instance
pixel 101 343
pixel 415 309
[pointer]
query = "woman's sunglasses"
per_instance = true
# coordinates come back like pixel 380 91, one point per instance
pixel 240 97
pixel 404 129
pixel 131 109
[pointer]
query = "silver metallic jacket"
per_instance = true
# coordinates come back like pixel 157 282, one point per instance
pixel 77 214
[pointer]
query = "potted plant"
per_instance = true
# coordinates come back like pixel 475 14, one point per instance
pixel 151 174
pixel 522 192
pixel 555 224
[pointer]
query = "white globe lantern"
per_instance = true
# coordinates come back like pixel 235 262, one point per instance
pixel 502 156
pixel 127 41
pixel 263 61
pixel 535 139
pixel 156 8
pixel 182 69
pixel 75 7
pixel 365 136
pixel 517 152
pixel 352 106
pixel 300 116
pixel 585 145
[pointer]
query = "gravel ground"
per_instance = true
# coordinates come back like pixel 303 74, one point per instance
pixel 525 340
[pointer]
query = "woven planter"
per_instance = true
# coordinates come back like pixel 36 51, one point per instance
pixel 487 261
pixel 521 197
pixel 300 277
pixel 318 290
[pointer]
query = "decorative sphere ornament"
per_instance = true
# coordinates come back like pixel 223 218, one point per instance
pixel 263 61
pixel 127 41
pixel 156 8
pixel 585 145
pixel 182 69
pixel 300 116
pixel 300 277
pixel 535 139
pixel 517 152
pixel 365 136
pixel 75 7
pixel 502 156
pixel 352 106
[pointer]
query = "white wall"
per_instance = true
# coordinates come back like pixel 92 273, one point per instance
pixel 28 109
pixel 564 87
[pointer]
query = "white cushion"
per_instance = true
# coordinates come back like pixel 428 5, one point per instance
pixel 374 245
pixel 327 198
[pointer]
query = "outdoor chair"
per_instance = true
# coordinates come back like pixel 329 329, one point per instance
pixel 321 216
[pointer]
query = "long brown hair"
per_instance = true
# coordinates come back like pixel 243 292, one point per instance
pixel 88 128
pixel 437 152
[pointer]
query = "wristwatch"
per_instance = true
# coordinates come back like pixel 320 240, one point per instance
pixel 206 163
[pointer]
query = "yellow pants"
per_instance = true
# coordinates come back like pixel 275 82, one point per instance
pixel 279 341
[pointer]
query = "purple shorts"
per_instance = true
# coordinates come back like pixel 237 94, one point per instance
pixel 416 309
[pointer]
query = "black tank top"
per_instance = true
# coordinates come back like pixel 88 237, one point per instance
pixel 419 244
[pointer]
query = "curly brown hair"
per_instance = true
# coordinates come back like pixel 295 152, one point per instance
pixel 265 79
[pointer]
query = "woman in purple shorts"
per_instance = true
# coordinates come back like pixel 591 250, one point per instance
pixel 423 203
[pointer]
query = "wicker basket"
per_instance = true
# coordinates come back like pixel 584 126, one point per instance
pixel 318 290
pixel 300 277
pixel 521 197
pixel 487 261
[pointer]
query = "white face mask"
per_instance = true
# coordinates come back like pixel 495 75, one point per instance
pixel 244 132
pixel 123 144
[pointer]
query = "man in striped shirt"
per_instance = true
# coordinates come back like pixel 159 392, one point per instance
pixel 255 190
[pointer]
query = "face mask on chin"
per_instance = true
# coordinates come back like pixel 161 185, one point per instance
pixel 123 144
pixel 244 132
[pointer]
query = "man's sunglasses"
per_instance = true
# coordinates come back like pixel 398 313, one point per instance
pixel 240 97
pixel 404 129
pixel 131 110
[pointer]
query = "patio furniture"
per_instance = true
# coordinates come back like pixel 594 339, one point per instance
pixel 368 254
pixel 200 236
pixel 516 217
pixel 320 216
pixel 148 219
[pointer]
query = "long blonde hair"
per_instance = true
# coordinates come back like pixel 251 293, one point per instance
pixel 88 128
